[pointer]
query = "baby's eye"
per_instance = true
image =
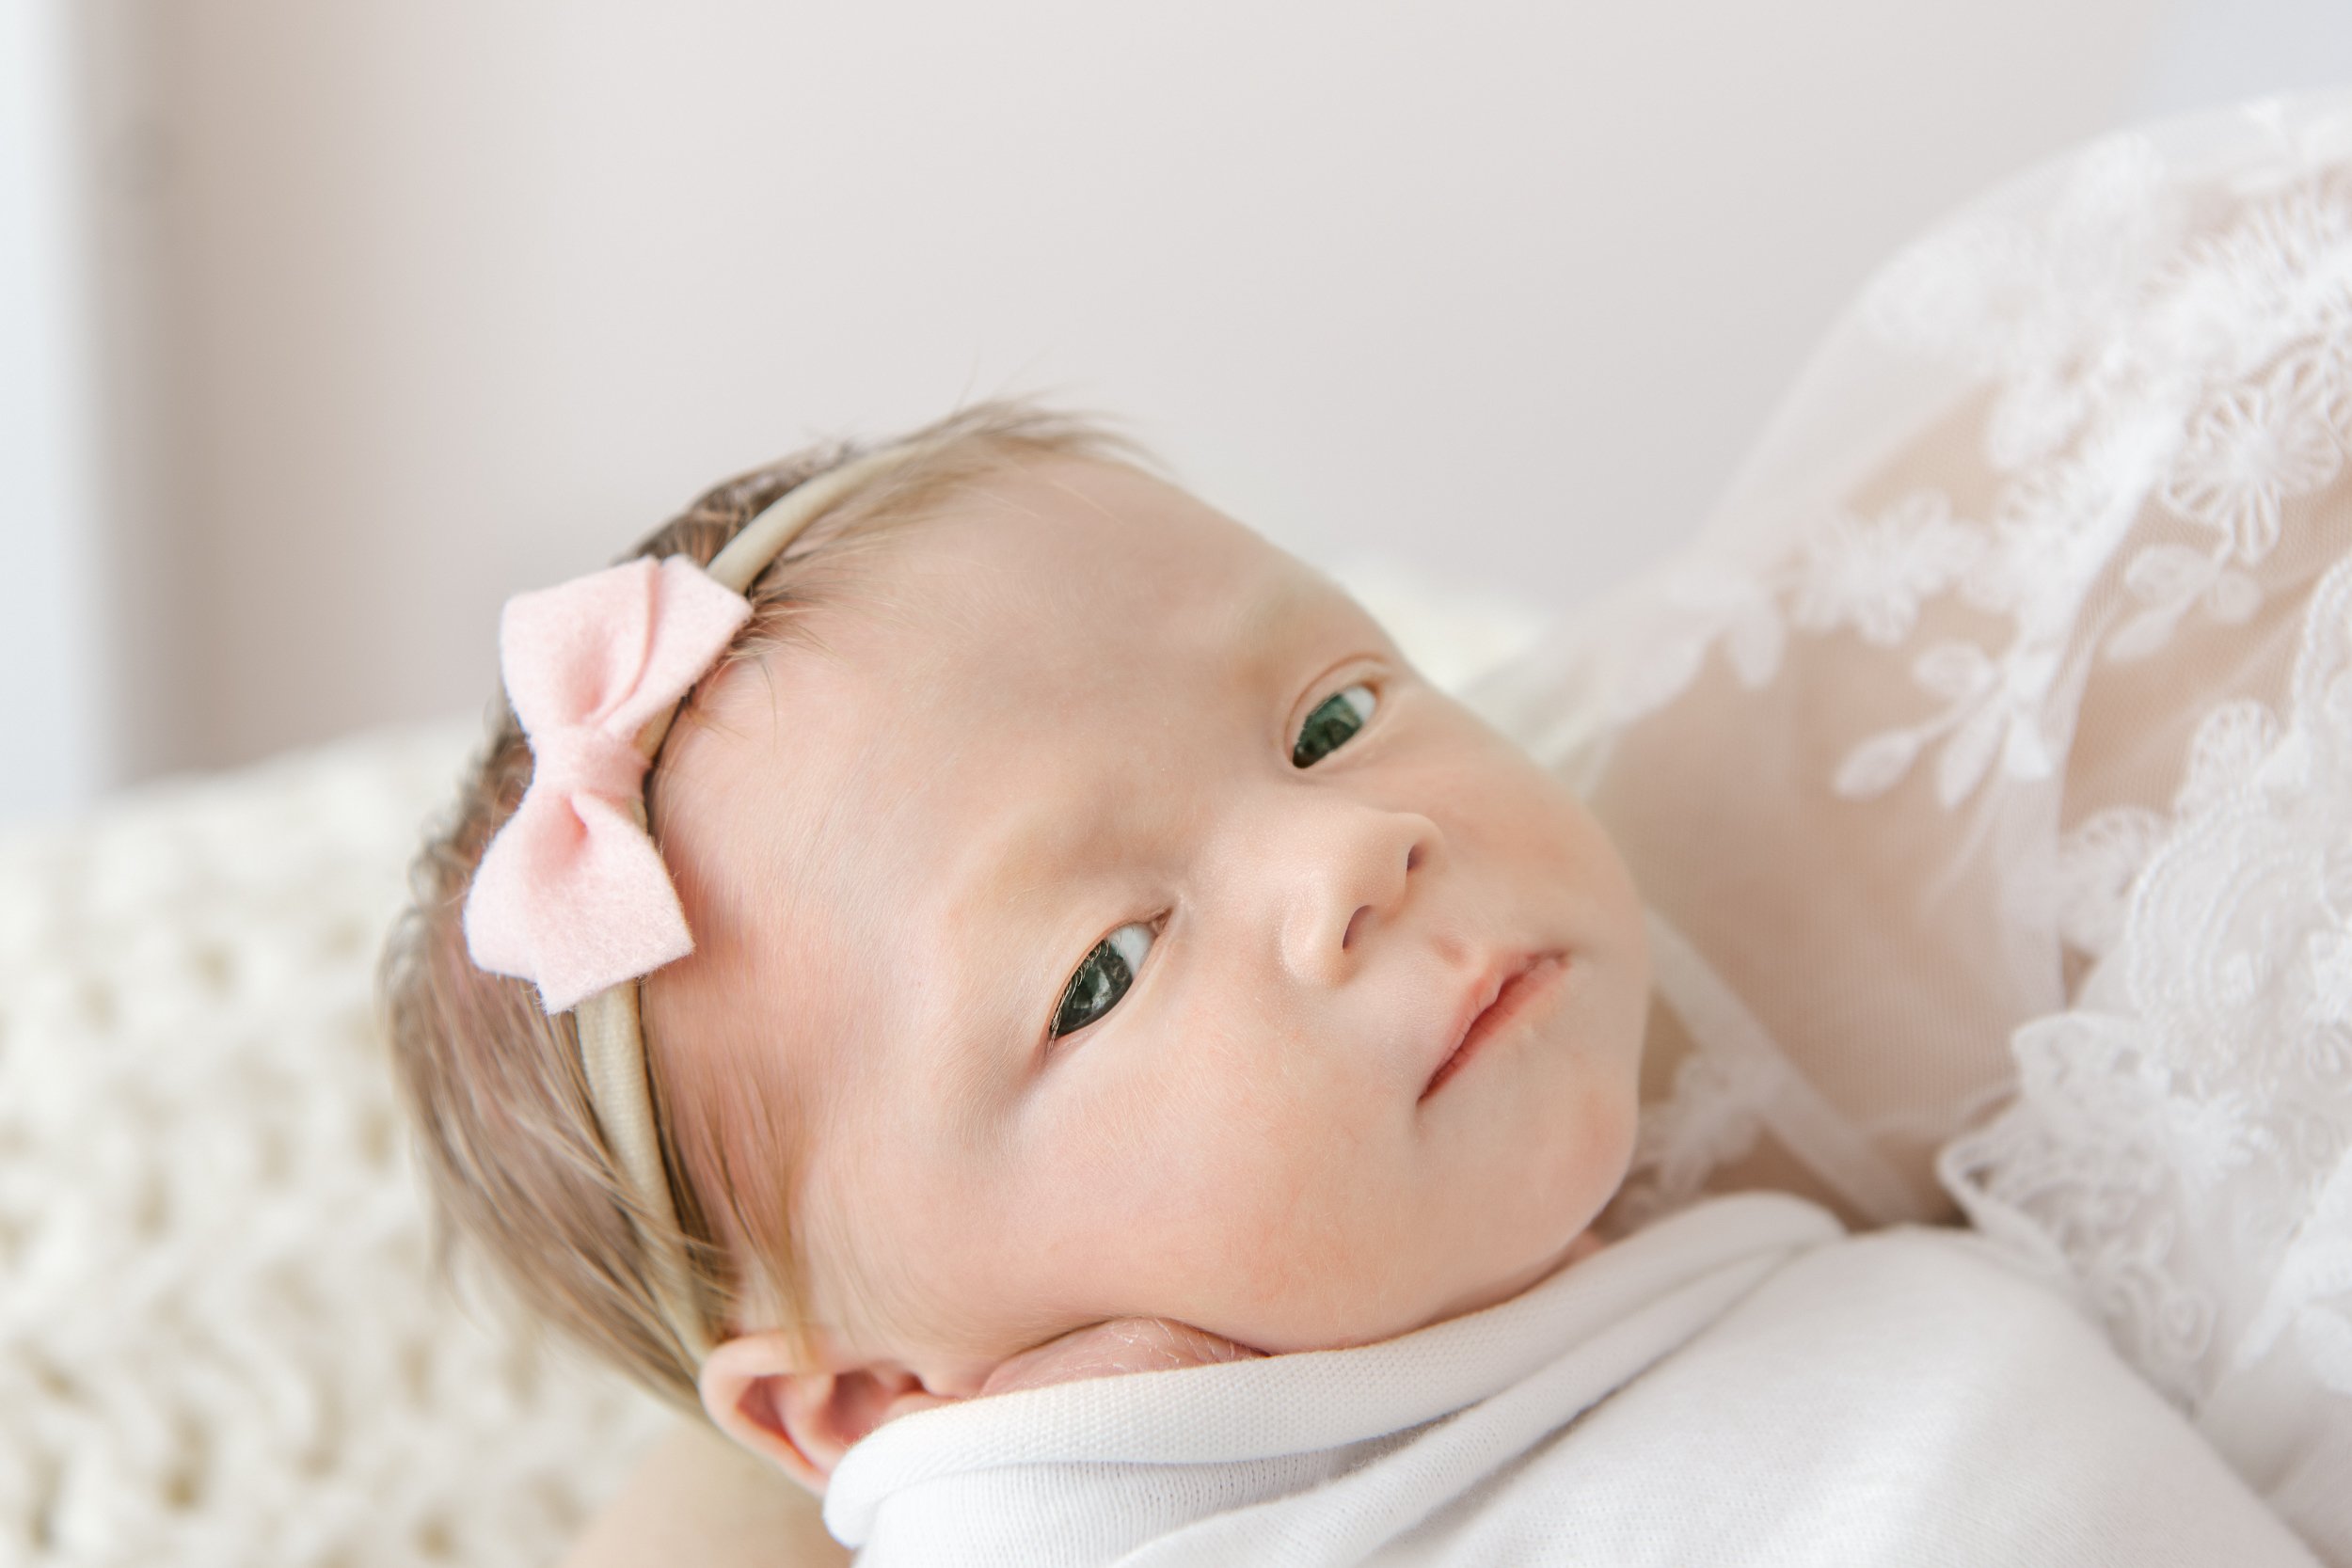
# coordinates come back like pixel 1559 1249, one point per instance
pixel 1330 726
pixel 1102 979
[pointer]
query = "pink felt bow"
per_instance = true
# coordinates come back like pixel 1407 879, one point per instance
pixel 572 894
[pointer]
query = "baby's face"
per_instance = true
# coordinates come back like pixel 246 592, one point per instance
pixel 1116 896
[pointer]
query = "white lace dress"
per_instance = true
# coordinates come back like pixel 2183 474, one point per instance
pixel 1988 770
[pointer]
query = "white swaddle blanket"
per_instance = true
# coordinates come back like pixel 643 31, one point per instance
pixel 1740 1383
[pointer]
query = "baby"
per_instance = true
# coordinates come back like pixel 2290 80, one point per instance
pixel 1094 918
pixel 1079 942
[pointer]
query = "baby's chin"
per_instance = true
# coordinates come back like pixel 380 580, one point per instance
pixel 1146 1345
pixel 1108 1349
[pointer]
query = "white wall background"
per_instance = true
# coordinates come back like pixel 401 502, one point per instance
pixel 409 304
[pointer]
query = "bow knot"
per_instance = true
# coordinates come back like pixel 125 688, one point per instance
pixel 582 761
pixel 572 893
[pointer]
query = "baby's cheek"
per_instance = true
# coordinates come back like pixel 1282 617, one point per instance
pixel 1218 1171
pixel 1293 1228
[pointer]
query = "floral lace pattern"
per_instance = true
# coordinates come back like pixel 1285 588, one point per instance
pixel 2198 1104
pixel 2216 373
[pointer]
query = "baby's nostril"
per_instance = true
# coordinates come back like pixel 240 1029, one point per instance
pixel 1412 859
pixel 1348 936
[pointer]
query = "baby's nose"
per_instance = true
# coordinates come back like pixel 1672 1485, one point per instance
pixel 1355 874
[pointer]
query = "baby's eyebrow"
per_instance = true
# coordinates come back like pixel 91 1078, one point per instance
pixel 1260 617
pixel 1005 895
pixel 1045 837
pixel 1035 849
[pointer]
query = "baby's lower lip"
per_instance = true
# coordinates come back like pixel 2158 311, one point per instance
pixel 1519 994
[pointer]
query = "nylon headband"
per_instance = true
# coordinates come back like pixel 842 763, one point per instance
pixel 611 1034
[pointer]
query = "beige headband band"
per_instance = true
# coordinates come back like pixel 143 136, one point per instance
pixel 611 1037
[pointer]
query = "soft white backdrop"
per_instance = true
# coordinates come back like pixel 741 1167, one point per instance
pixel 398 306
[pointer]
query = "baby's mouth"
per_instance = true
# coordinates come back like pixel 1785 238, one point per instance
pixel 1506 992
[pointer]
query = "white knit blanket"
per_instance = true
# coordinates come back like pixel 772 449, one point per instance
pixel 221 1340
pixel 1739 1384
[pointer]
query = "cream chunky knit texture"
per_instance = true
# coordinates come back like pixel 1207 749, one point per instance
pixel 221 1339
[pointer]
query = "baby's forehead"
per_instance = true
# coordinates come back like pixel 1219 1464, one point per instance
pixel 1092 550
pixel 1037 586
pixel 981 647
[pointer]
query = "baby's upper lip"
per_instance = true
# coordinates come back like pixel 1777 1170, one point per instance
pixel 1485 985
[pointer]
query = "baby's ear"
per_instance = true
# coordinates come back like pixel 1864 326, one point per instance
pixel 802 1420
